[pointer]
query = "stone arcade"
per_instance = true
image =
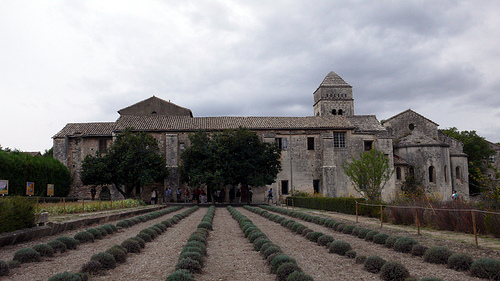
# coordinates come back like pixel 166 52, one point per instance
pixel 313 148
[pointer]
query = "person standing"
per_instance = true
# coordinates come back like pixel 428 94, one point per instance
pixel 93 192
pixel 153 196
pixel 270 196
pixel 196 195
pixel 238 195
pixel 249 195
pixel 179 194
pixel 168 194
pixel 186 195
pixel 203 196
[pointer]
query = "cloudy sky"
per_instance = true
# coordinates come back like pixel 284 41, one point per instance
pixel 81 61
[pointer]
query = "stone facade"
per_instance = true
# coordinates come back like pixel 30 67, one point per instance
pixel 313 148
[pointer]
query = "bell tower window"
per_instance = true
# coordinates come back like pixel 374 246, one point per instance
pixel 334 111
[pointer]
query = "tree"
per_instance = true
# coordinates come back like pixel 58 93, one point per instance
pixel 230 157
pixel 478 151
pixel 132 161
pixel 369 173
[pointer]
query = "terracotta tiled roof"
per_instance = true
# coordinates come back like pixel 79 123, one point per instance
pixel 183 123
pixel 86 129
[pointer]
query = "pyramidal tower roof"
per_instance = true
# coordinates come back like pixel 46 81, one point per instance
pixel 332 79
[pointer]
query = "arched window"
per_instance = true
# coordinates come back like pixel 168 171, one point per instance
pixel 340 112
pixel 458 173
pixel 398 173
pixel 432 174
pixel 334 111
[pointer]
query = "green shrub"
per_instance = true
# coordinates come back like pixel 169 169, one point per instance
pixel 117 253
pixel 84 237
pixel 314 236
pixel 192 249
pixel 180 275
pixel 197 244
pixel 306 231
pixel 4 268
pixel 362 233
pixel 394 271
pixel 27 255
pixel 161 226
pixel 340 247
pixel 339 226
pixel 149 232
pixel 286 269
pixel 437 255
pixel 124 224
pixel 131 245
pixel 259 242
pixel 486 268
pixel 350 254
pixel 360 259
pixel 279 260
pixel 198 237
pixel 373 264
pixel 95 232
pixel 271 250
pixel 460 262
pixel 16 212
pixel 91 267
pixel 71 243
pixel 380 238
pixel 139 240
pixel 106 259
pixel 192 255
pixel 300 228
pixel 110 228
pixel 188 264
pixel 44 250
pixel 255 235
pixel 418 250
pixel 65 276
pixel 404 245
pixel 325 239
pixel 370 234
pixel 299 276
pixel 58 246
pixel 348 228
pixel 167 223
pixel 144 236
pixel 103 231
pixel 389 242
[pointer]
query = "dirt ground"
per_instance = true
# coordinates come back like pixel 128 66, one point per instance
pixel 231 256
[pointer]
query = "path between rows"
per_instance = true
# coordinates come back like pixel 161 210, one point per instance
pixel 417 267
pixel 231 255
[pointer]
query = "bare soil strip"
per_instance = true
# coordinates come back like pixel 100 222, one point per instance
pixel 231 255
pixel 416 265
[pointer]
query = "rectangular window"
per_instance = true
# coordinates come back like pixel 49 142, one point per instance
pixel 368 145
pixel 279 143
pixel 310 143
pixel 316 186
pixel 182 146
pixel 102 146
pixel 284 187
pixel 339 140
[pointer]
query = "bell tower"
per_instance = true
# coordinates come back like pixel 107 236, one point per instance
pixel 333 97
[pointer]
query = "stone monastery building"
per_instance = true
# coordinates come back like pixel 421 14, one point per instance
pixel 313 148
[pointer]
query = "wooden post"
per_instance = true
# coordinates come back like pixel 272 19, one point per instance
pixel 83 205
pixel 381 215
pixel 64 205
pixel 356 211
pixel 474 225
pixel 418 221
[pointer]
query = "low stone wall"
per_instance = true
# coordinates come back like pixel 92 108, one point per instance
pixel 55 228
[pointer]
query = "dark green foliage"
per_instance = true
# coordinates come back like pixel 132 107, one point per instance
pixel 360 259
pixel 70 242
pixel 120 165
pixel 58 246
pixel 192 255
pixel 404 245
pixel 255 235
pixel 373 264
pixel 188 264
pixel 144 236
pixel 418 250
pixel 141 242
pixel 161 226
pixel 4 268
pixel 348 228
pixel 65 276
pixel 84 237
pixel 197 244
pixel 19 168
pixel 16 212
pixel 306 231
pixel 340 247
pixel 44 250
pixel 91 267
pixel 486 268
pixel 157 230
pixel 299 276
pixel 103 231
pixel 124 224
pixel 325 239
pixel 351 254
pixel 314 236
pixel 131 245
pixel 369 236
pixel 271 250
pixel 286 269
pixel 380 238
pixel 150 232
pixel 110 228
pixel 279 260
pixel 362 233
pixel 389 242
pixel 460 262
pixel 95 232
pixel 259 242
pixel 167 223
pixel 437 255
pixel 339 226
pixel 193 249
pixel 180 275
pixel 117 253
pixel 27 255
pixel 106 259
pixel 394 271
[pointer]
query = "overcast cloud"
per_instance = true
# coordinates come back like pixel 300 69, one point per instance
pixel 82 61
